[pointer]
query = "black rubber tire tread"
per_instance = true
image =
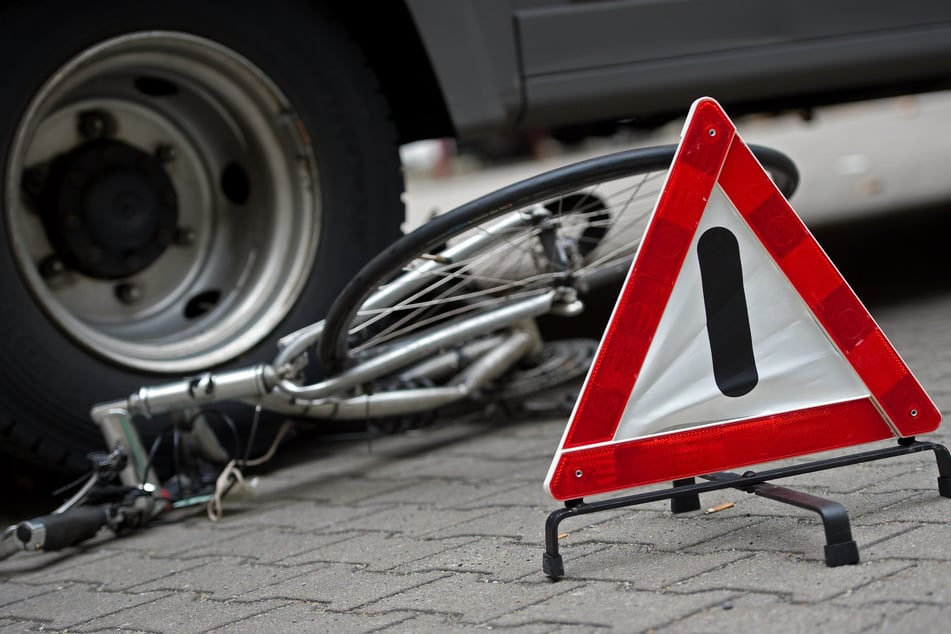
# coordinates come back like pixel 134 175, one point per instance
pixel 50 383
pixel 333 350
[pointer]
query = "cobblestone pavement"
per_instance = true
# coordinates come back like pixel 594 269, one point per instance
pixel 443 529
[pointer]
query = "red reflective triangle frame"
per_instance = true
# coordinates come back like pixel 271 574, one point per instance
pixel 589 460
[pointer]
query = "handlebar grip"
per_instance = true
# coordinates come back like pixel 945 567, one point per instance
pixel 57 531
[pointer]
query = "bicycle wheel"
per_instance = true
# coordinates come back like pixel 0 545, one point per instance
pixel 570 228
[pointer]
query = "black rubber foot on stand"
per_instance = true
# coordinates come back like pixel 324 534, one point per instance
pixel 553 566
pixel 944 486
pixel 687 502
pixel 842 554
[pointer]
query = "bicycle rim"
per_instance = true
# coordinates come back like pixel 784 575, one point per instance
pixel 563 229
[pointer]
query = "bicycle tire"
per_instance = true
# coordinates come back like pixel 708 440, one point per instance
pixel 621 175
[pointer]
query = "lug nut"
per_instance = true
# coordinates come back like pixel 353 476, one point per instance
pixel 165 153
pixel 52 266
pixel 94 124
pixel 33 180
pixel 184 236
pixel 91 124
pixel 127 293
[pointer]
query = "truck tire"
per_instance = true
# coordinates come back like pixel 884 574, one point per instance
pixel 183 182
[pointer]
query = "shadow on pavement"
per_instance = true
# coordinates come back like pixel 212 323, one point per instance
pixel 893 257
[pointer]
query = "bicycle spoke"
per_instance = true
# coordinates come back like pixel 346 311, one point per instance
pixel 596 224
pixel 556 230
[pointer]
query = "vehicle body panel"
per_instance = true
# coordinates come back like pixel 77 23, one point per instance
pixel 535 63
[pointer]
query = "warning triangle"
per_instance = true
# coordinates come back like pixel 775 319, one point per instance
pixel 734 341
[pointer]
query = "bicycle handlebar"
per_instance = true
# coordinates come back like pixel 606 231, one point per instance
pixel 58 531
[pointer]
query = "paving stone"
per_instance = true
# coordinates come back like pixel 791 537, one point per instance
pixel 13 591
pixel 375 551
pixel 803 536
pixel 496 558
pixel 661 530
pixel 865 507
pixel 914 617
pixel 355 491
pixel 85 604
pixel 219 578
pixel 471 598
pixel 311 617
pixel 789 576
pixel 526 524
pixel 448 465
pixel 19 565
pixel 511 447
pixel 914 582
pixel 546 431
pixel 439 493
pixel 414 520
pixel 341 587
pixel 753 613
pixel 444 530
pixel 440 623
pixel 263 546
pixel 339 473
pixel 519 494
pixel 53 567
pixel 596 604
pixel 168 540
pixel 913 541
pixel 643 570
pixel 924 507
pixel 305 516
pixel 181 613
pixel 116 571
pixel 916 478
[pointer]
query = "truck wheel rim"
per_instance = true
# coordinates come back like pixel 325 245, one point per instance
pixel 162 202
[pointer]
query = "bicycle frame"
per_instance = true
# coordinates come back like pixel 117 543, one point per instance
pixel 492 341
pixel 427 338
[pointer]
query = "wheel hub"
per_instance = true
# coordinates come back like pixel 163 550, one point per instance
pixel 109 209
pixel 162 201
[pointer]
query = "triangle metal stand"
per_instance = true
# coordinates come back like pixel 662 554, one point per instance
pixel 840 548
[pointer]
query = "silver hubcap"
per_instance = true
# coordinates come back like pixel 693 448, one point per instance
pixel 162 202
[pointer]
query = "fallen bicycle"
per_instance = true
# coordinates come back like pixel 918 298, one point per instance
pixel 447 315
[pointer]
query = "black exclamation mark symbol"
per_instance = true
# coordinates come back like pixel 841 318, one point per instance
pixel 728 320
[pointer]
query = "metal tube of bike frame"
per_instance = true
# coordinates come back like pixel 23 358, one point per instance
pixel 415 279
pixel 412 351
pixel 495 362
pixel 254 384
pixel 364 406
pixel 410 401
pixel 247 383
pixel 296 343
pixel 115 423
pixel 442 366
